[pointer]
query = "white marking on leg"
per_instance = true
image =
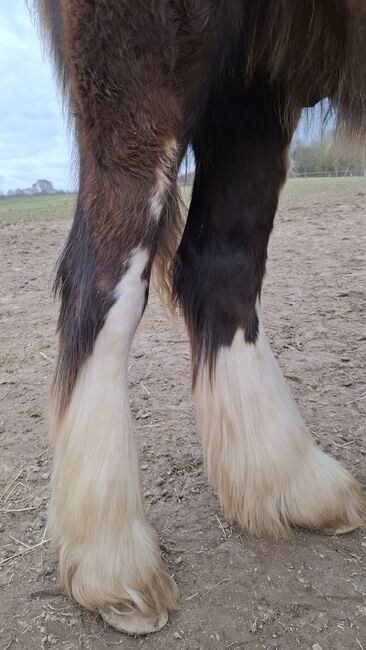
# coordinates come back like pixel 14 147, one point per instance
pixel 108 553
pixel 259 455
pixel 163 173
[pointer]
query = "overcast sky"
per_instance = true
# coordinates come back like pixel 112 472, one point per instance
pixel 33 140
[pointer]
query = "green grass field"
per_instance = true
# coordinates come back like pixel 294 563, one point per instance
pixel 297 188
pixel 31 208
pixel 61 206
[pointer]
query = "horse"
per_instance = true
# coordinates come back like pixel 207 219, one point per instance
pixel 143 82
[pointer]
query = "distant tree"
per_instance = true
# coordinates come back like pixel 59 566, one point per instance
pixel 42 186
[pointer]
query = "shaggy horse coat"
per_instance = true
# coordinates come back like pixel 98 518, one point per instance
pixel 144 79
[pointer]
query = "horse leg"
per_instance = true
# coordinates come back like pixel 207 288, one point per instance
pixel 109 556
pixel 267 470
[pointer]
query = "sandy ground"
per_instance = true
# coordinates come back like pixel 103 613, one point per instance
pixel 235 591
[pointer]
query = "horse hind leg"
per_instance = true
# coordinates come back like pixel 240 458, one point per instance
pixel 109 556
pixel 267 471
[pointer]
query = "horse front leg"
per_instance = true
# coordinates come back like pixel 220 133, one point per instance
pixel 260 457
pixel 128 134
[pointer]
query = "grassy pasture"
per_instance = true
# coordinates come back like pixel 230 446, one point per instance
pixel 307 188
pixel 35 208
pixel 61 206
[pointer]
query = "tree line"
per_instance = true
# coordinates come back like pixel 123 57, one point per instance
pixel 41 187
pixel 322 158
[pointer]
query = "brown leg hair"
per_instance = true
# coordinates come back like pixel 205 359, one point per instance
pixel 268 473
pixel 129 150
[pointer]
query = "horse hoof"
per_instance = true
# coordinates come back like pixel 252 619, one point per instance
pixel 341 529
pixel 133 622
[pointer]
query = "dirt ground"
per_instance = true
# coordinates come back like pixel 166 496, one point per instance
pixel 235 591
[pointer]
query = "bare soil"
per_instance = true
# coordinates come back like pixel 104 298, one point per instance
pixel 235 591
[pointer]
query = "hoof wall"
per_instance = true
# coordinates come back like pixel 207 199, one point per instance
pixel 133 622
pixel 342 529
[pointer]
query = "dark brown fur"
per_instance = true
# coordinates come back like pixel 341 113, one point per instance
pixel 121 139
pixel 241 157
pixel 314 48
pixel 136 74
